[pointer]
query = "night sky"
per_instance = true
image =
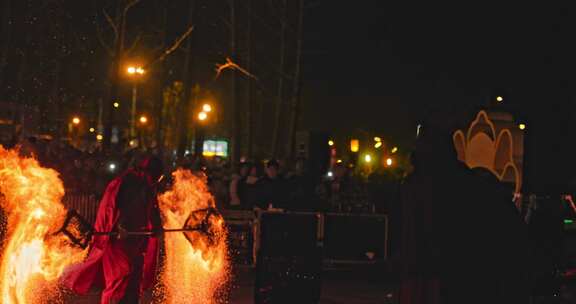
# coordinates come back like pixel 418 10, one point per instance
pixel 391 60
pixel 373 65
pixel 381 64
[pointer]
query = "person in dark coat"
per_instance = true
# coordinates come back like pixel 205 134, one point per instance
pixel 302 186
pixel 457 234
pixel 272 188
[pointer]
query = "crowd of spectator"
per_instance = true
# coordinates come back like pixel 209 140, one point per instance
pixel 266 184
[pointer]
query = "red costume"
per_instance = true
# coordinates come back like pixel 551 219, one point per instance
pixel 124 268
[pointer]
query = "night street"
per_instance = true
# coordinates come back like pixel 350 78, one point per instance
pixel 335 290
pixel 352 152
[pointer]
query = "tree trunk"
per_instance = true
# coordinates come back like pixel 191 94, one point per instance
pixel 185 104
pixel 297 84
pixel 159 105
pixel 236 126
pixel 250 91
pixel 5 39
pixel 279 97
pixel 114 71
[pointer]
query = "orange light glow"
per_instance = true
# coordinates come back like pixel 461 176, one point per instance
pixel 76 120
pixel 198 269
pixel 143 119
pixel 206 108
pixel 354 145
pixel 202 116
pixel 33 256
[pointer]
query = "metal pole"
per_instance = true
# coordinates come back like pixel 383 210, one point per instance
pixel 133 111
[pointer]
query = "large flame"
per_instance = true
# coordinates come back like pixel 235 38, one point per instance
pixel 194 271
pixel 33 257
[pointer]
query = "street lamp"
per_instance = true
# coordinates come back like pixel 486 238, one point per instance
pixel 76 120
pixel 91 130
pixel 133 71
pixel 206 108
pixel 389 162
pixel 367 158
pixel 330 143
pixel 116 105
pixel 143 119
pixel 202 116
pixel 522 126
pixel 499 98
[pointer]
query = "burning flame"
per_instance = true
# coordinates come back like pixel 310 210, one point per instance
pixel 197 269
pixel 33 257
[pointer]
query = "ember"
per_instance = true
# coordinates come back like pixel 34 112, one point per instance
pixel 197 267
pixel 33 258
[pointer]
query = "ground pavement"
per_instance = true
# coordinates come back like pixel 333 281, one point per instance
pixel 338 288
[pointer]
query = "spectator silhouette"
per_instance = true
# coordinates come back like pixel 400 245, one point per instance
pixel 234 184
pixel 272 188
pixel 458 236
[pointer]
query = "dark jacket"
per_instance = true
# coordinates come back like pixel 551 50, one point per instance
pixel 272 191
pixel 459 237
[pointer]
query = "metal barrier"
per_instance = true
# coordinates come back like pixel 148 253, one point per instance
pixel 85 204
pixel 345 238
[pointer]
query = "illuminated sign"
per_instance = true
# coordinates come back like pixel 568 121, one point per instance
pixel 215 148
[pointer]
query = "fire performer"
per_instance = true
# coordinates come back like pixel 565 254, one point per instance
pixel 123 266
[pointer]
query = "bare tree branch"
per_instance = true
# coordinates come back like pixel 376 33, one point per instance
pixel 130 5
pixel 134 43
pixel 174 46
pixel 105 45
pixel 111 23
pixel 232 65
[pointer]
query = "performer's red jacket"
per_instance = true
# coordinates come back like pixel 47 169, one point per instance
pixel 110 260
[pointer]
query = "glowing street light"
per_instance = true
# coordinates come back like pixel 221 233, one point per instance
pixel 202 116
pixel 377 139
pixel 522 126
pixel 116 105
pixel 367 158
pixel 143 119
pixel 394 150
pixel 76 120
pixel 99 137
pixel 330 143
pixel 91 130
pixel 378 144
pixel 389 162
pixel 135 70
pixel 499 98
pixel 207 108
